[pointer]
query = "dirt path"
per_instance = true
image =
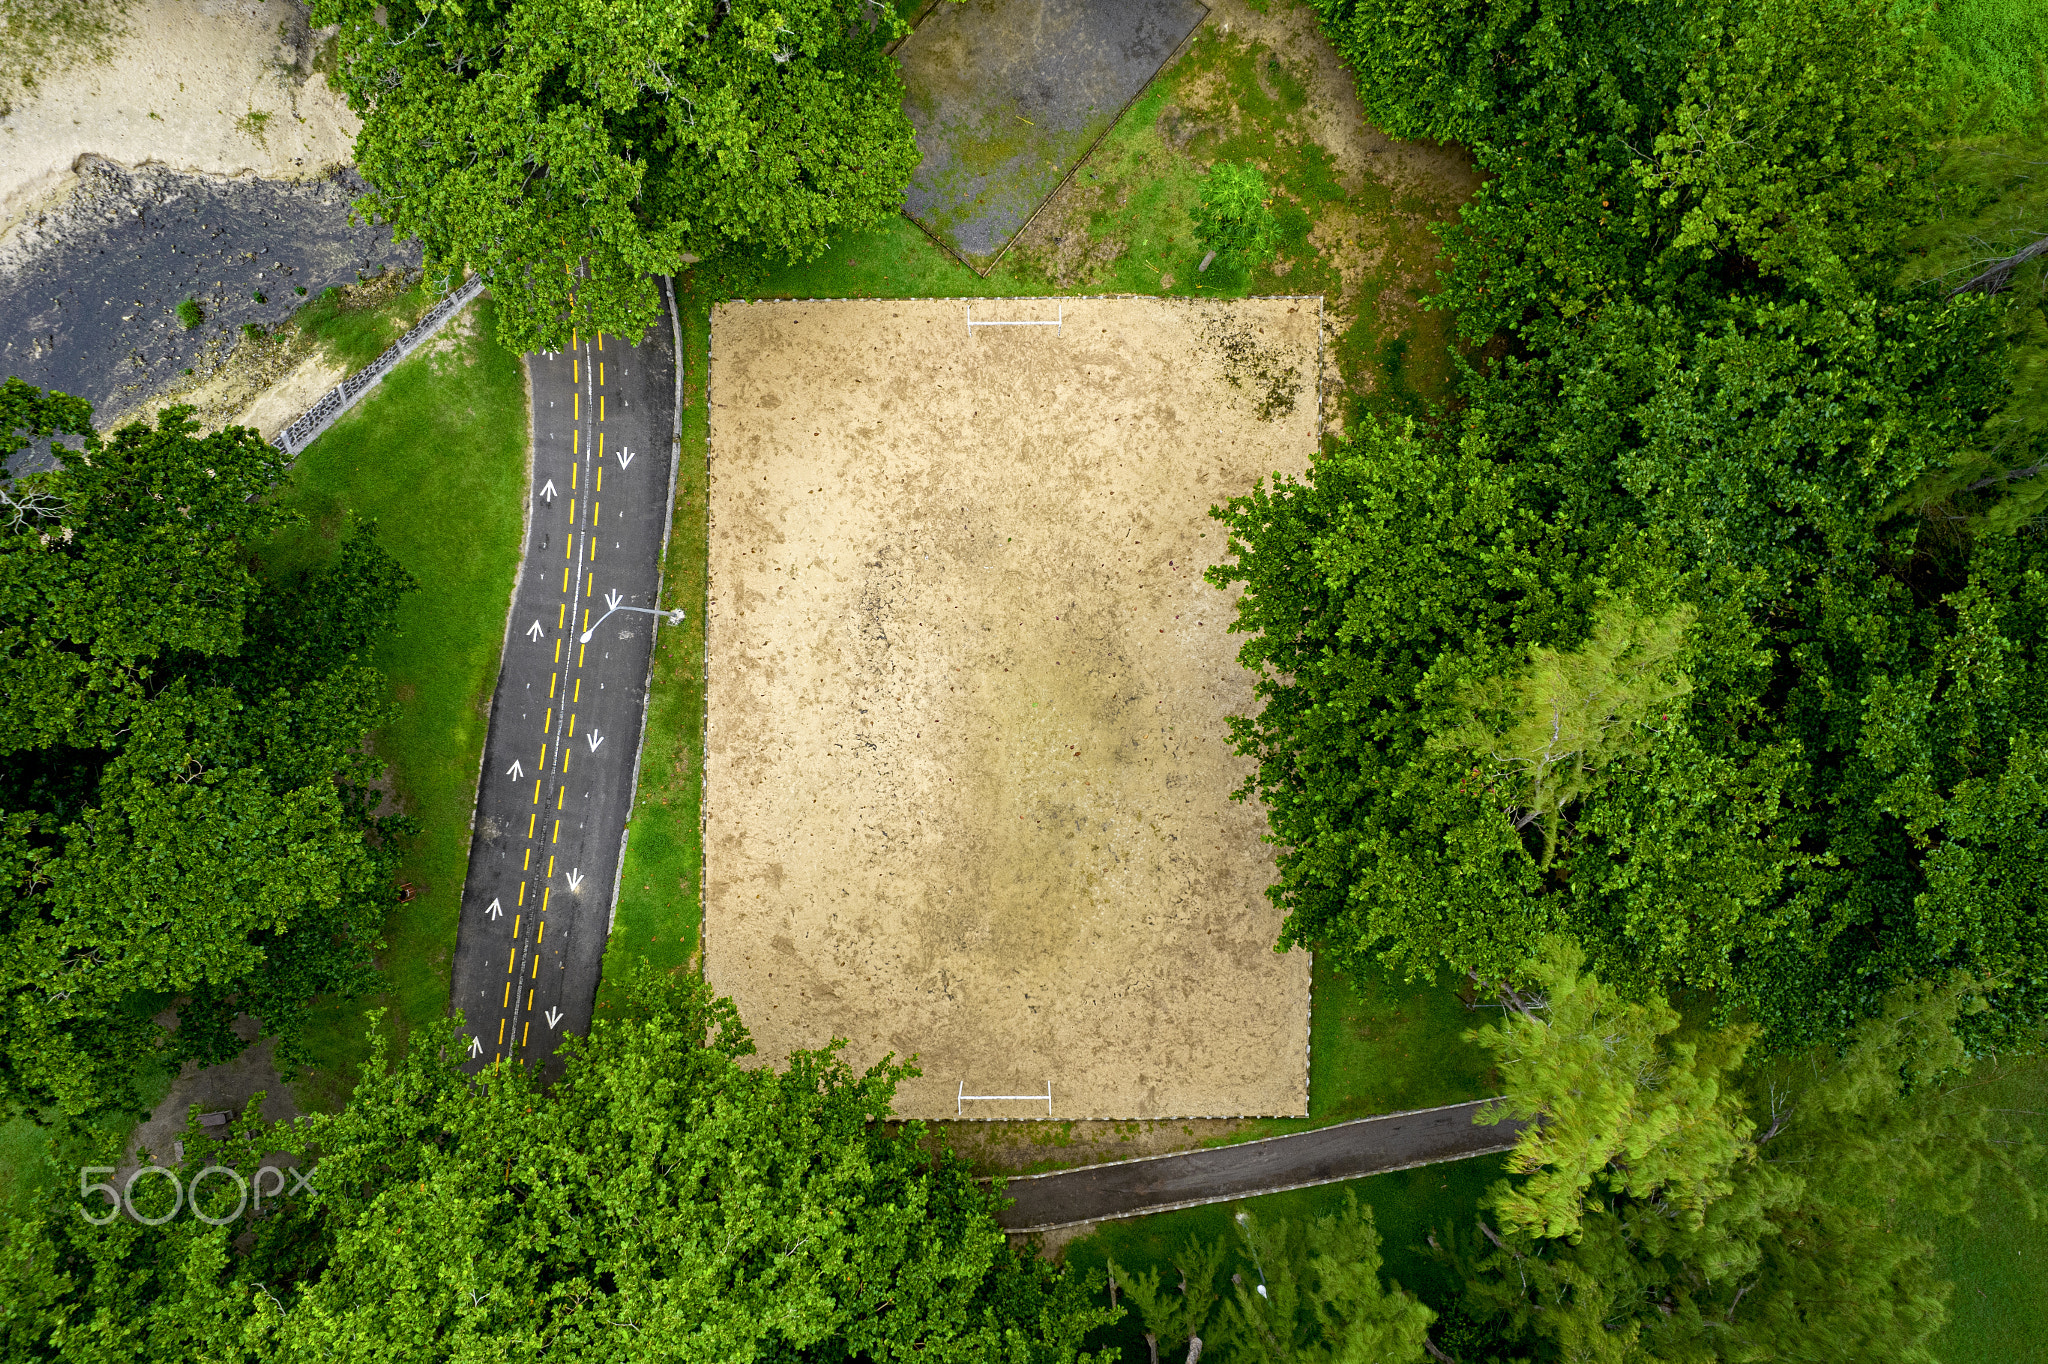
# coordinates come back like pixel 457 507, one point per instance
pixel 1368 1146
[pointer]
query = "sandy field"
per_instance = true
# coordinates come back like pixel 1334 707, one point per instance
pixel 968 773
pixel 180 83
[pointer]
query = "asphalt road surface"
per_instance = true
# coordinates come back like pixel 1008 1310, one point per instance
pixel 565 723
pixel 1349 1150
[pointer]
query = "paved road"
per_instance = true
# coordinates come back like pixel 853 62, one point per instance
pixel 565 723
pixel 1369 1146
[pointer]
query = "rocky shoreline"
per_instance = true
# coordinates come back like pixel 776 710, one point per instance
pixel 90 287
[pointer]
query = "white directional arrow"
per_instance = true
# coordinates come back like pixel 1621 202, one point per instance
pixel 547 492
pixel 575 880
pixel 553 1017
pixel 613 603
pixel 515 771
pixel 594 739
pixel 625 458
pixel 533 632
pixel 476 1047
pixel 496 911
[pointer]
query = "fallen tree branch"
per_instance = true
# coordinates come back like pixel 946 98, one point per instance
pixel 1996 277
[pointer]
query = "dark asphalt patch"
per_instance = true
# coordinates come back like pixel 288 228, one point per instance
pixel 1008 95
pixel 1300 1160
pixel 89 291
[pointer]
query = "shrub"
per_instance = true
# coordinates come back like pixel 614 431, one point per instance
pixel 1234 220
pixel 189 313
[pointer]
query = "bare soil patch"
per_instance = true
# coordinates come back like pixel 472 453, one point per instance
pixel 968 770
pixel 218 87
pixel 265 381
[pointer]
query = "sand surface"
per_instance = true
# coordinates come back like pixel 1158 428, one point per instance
pixel 178 89
pixel 968 772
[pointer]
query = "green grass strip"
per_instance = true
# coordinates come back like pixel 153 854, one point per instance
pixel 437 457
pixel 2000 1274
pixel 660 905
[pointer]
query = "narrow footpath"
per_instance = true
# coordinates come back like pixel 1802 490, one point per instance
pixel 560 760
pixel 1347 1150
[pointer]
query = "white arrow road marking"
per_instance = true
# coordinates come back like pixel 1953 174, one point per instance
pixel 613 604
pixel 594 739
pixel 496 911
pixel 476 1047
pixel 553 1016
pixel 533 632
pixel 515 771
pixel 575 880
pixel 625 458
pixel 547 492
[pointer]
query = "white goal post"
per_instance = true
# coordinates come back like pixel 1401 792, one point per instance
pixel 1058 322
pixel 960 1100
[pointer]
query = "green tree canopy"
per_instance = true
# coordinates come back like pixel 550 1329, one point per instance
pixel 1301 1291
pixel 1731 415
pixel 1680 1204
pixel 185 802
pixel 533 140
pixel 664 1201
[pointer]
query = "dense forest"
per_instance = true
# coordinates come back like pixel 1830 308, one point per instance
pixel 1706 627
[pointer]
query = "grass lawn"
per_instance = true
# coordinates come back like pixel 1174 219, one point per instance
pixel 353 335
pixel 1999 1268
pixel 436 455
pixel 1382 1045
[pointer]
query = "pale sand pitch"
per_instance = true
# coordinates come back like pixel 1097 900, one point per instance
pixel 968 774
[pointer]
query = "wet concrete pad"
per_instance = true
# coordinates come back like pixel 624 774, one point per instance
pixel 1008 95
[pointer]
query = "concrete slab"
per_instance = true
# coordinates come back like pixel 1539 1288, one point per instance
pixel 1007 96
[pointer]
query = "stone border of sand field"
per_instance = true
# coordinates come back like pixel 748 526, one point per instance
pixel 936 824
